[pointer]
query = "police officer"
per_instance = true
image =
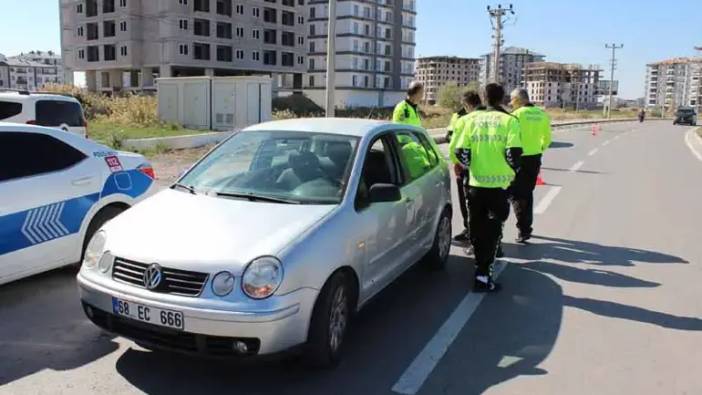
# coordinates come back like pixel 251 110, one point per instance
pixel 406 111
pixel 452 123
pixel 491 148
pixel 471 105
pixel 535 126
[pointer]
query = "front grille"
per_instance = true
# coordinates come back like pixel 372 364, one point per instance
pixel 170 339
pixel 175 281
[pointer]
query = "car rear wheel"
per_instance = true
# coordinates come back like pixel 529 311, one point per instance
pixel 330 321
pixel 438 255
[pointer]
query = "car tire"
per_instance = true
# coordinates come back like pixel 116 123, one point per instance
pixel 438 255
pixel 330 322
pixel 96 223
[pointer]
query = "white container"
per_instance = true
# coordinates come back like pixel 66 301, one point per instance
pixel 215 103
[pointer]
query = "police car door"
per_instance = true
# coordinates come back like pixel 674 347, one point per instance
pixel 46 188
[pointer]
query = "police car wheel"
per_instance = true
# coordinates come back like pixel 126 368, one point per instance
pixel 438 255
pixel 98 220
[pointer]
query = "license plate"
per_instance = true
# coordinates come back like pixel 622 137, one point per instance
pixel 148 314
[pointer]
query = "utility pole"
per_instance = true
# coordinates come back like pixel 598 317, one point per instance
pixel 614 48
pixel 498 18
pixel 331 59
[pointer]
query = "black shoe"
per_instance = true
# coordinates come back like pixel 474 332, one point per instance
pixel 463 237
pixel 523 238
pixel 488 287
pixel 499 253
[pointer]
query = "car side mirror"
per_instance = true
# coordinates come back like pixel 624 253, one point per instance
pixel 383 193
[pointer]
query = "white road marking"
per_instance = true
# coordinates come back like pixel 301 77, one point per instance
pixel 576 166
pixel 617 137
pixel 419 370
pixel 593 152
pixel 688 140
pixel 547 200
pixel 606 143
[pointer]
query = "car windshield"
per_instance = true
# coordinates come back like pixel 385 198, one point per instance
pixel 276 166
pixel 686 111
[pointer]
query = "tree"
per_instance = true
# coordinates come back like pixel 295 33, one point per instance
pixel 450 95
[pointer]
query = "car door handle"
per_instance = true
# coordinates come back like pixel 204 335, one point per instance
pixel 82 181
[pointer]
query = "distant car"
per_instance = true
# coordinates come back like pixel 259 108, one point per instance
pixel 685 115
pixel 273 240
pixel 55 111
pixel 56 190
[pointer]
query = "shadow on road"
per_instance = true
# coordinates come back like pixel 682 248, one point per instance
pixel 572 251
pixel 632 313
pixel 569 171
pixel 42 326
pixel 560 144
pixel 509 335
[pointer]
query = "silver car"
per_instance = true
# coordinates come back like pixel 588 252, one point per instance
pixel 273 240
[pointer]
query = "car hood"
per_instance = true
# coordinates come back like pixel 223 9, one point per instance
pixel 203 233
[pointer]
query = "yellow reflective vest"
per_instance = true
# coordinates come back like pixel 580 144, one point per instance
pixel 457 133
pixel 487 135
pixel 407 114
pixel 535 125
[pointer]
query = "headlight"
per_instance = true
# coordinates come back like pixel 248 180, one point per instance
pixel 262 278
pixel 223 283
pixel 95 249
pixel 106 262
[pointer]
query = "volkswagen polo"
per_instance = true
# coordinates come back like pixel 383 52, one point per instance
pixel 273 240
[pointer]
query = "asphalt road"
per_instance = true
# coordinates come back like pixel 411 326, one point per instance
pixel 607 300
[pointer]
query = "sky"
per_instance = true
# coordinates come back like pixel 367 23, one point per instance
pixel 570 31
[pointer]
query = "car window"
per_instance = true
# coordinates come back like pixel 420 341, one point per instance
pixel 415 159
pixel 58 112
pixel 433 155
pixel 307 168
pixel 379 167
pixel 30 154
pixel 9 109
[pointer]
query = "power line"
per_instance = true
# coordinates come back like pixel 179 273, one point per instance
pixel 498 18
pixel 613 65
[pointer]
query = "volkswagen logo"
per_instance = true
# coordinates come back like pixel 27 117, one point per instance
pixel 153 276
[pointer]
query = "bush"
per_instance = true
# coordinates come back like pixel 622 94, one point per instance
pixel 451 95
pixel 299 105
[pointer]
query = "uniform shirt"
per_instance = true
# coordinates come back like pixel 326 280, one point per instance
pixel 406 113
pixel 454 119
pixel 486 138
pixel 458 132
pixel 415 156
pixel 535 125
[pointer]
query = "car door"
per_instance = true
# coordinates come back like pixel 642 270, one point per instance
pixel 432 187
pixel 380 228
pixel 46 189
pixel 418 189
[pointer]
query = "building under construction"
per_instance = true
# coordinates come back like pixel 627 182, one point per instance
pixel 562 85
pixel 437 71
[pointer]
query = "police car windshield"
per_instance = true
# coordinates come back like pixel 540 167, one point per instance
pixel 277 166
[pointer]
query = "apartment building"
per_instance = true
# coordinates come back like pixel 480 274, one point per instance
pixel 562 85
pixel 674 83
pixel 436 71
pixel 375 51
pixel 511 66
pixel 125 44
pixel 31 71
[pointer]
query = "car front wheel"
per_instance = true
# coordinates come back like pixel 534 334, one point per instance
pixel 330 321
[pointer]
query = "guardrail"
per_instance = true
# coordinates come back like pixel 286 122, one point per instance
pixel 199 140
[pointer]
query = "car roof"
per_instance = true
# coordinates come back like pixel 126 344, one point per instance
pixel 341 126
pixel 17 96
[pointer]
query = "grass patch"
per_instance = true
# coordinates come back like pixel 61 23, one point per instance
pixel 113 133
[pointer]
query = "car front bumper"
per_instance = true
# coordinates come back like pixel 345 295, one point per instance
pixel 206 331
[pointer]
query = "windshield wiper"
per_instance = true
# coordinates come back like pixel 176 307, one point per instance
pixel 254 197
pixel 188 188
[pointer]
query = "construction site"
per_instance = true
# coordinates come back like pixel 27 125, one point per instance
pixel 562 85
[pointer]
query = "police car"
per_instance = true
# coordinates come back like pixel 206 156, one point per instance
pixel 56 190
